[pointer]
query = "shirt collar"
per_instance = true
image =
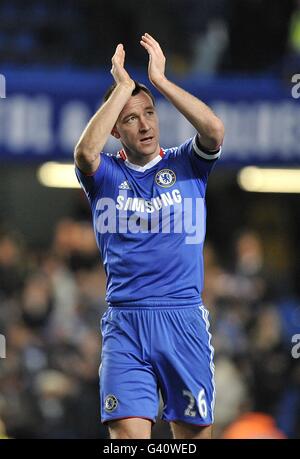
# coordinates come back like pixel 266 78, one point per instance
pixel 136 167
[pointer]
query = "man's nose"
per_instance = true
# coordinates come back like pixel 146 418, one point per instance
pixel 144 125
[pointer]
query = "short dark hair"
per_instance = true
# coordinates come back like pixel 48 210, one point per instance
pixel 138 88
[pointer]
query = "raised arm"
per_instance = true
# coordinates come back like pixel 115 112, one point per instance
pixel 209 127
pixel 97 131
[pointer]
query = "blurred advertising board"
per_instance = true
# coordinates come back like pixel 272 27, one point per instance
pixel 44 113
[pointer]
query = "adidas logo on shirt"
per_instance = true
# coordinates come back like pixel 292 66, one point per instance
pixel 124 186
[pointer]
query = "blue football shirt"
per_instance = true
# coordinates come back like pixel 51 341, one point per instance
pixel 149 224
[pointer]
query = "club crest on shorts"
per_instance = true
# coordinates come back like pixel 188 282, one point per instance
pixel 165 178
pixel 110 403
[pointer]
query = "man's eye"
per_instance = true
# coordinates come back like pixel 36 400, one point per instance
pixel 131 119
pixel 150 112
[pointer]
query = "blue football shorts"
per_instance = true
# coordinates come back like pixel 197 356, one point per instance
pixel 147 349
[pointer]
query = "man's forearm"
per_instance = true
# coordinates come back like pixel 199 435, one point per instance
pixel 207 124
pixel 97 131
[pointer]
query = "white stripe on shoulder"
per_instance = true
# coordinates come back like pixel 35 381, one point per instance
pixel 205 155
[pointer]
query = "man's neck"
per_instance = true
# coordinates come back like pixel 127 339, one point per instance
pixel 141 160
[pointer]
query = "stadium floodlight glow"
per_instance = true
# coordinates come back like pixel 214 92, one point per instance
pixel 262 180
pixel 57 175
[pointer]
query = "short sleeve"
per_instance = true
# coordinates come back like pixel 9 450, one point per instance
pixel 92 183
pixel 202 160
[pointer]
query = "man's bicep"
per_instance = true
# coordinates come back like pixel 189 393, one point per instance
pixel 202 152
pixel 87 165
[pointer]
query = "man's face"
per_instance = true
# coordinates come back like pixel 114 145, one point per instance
pixel 137 128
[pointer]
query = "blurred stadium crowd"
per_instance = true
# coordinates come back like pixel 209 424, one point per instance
pixel 218 34
pixel 51 304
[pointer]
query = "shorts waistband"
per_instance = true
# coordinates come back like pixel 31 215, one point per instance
pixel 146 306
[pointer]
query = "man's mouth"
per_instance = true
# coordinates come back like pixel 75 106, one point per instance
pixel 146 139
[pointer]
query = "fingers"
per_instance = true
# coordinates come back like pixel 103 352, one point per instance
pixel 151 45
pixel 157 60
pixel 119 56
pixel 146 43
pixel 117 70
pixel 149 39
pixel 119 48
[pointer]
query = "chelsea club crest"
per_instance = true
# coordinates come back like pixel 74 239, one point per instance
pixel 110 403
pixel 165 178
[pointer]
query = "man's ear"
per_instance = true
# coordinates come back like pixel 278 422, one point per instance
pixel 115 132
